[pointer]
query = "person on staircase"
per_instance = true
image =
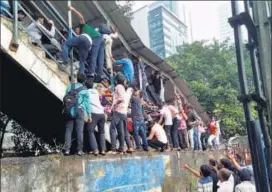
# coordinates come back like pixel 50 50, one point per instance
pixel 127 65
pixel 97 47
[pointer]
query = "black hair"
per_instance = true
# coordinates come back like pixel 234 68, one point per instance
pixel 224 174
pixel 245 175
pixel 228 165
pixel 21 12
pixel 213 162
pixel 124 55
pixel 151 123
pixel 239 158
pixel 38 16
pixel 120 79
pixel 81 78
pixel 89 84
pixel 205 170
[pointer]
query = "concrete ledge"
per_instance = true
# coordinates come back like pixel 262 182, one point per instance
pixel 138 172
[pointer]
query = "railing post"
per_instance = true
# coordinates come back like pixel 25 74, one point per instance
pixel 14 43
pixel 70 36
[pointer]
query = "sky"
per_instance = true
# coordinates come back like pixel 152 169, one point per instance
pixel 204 17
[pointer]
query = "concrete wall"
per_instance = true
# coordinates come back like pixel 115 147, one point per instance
pixel 137 173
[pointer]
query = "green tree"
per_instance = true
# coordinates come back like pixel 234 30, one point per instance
pixel 125 7
pixel 210 70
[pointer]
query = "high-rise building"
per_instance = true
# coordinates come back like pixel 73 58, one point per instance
pixel 160 28
pixel 224 12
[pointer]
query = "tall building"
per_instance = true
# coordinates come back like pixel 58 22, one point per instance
pixel 160 28
pixel 226 31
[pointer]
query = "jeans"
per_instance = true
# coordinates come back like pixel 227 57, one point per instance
pixel 204 140
pixel 196 140
pixel 118 123
pixel 156 144
pixel 174 132
pixel 183 137
pixel 99 121
pixel 167 129
pixel 83 45
pixel 191 137
pixel 78 121
pixel 139 129
pixel 97 57
pixel 211 139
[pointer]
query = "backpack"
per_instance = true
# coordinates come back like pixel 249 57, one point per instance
pixel 104 29
pixel 70 100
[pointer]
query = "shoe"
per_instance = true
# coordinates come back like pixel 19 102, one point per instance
pixel 95 153
pixel 130 150
pixel 146 150
pixel 66 153
pixel 103 153
pixel 80 153
pixel 111 152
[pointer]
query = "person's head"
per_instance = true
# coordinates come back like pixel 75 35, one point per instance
pixel 189 108
pixel 245 175
pixel 124 55
pixel 81 78
pixel 120 79
pixel 136 92
pixel 106 82
pixel 89 84
pixel 213 118
pixel 151 123
pixel 77 30
pixel 224 174
pixel 213 162
pixel 205 170
pixel 39 18
pixel 226 163
pixel 21 15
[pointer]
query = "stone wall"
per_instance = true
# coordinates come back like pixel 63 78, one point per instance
pixel 138 172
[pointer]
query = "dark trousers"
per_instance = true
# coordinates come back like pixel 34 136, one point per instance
pixel 174 132
pixel 78 121
pixel 97 57
pixel 83 45
pixel 183 138
pixel 167 129
pixel 196 140
pixel 139 130
pixel 204 140
pixel 156 144
pixel 99 121
pixel 119 124
pixel 53 50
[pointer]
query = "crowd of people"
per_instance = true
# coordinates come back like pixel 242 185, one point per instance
pixel 92 99
pixel 233 173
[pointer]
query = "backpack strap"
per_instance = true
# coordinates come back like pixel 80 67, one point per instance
pixel 80 89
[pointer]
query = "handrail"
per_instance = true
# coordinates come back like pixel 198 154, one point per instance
pixel 14 43
pixel 28 15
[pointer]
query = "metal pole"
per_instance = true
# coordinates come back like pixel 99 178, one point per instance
pixel 14 45
pixel 70 36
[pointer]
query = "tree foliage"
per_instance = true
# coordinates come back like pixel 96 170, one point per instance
pixel 210 70
pixel 125 7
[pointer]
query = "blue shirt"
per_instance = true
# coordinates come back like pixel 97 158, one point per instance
pixel 128 69
pixel 4 5
pixel 83 99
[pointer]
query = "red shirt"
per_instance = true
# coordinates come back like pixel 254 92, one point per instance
pixel 212 128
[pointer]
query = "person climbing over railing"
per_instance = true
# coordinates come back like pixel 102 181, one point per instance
pixel 96 51
pixel 37 28
pixel 128 69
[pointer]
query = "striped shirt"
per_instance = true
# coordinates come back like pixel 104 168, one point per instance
pixel 245 186
pixel 205 185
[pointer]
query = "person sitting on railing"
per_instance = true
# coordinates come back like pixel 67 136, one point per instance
pixel 97 48
pixel 128 69
pixel 51 44
pixel 37 28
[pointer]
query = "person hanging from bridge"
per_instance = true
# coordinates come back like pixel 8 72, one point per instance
pixel 127 65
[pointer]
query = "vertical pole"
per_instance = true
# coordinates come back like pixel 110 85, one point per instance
pixel 14 44
pixel 70 36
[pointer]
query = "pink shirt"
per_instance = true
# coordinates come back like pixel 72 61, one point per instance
pixel 119 96
pixel 158 132
pixel 201 129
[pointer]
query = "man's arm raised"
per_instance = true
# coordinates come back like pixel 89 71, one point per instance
pixel 80 16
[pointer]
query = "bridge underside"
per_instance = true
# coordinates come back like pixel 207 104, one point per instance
pixel 29 103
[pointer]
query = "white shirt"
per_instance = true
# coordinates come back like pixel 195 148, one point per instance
pixel 95 103
pixel 89 38
pixel 159 133
pixel 226 186
pixel 35 31
pixel 167 115
pixel 127 98
pixel 245 186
